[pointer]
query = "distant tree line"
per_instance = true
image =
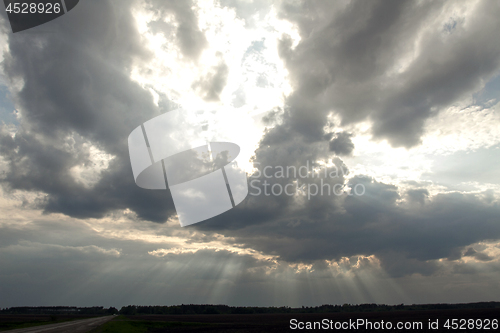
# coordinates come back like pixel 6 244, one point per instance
pixel 94 310
pixel 327 308
pixel 185 309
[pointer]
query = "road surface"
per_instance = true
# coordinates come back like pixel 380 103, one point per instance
pixel 75 326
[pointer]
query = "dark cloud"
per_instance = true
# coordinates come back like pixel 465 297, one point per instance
pixel 350 61
pixel 407 229
pixel 341 144
pixel 405 238
pixel 44 259
pixel 77 90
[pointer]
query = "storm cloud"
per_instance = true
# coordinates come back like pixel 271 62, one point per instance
pixel 377 101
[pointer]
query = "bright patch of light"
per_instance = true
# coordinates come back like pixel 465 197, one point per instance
pixel 461 127
pixel 257 80
pixel 89 173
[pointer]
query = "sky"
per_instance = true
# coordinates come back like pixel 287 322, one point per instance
pixel 396 99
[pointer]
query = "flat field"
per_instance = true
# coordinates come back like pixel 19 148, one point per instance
pixel 256 323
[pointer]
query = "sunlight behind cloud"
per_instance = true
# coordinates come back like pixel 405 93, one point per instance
pixel 256 79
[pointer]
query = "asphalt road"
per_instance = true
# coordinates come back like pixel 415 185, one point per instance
pixel 75 326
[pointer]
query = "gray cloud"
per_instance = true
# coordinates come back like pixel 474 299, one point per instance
pixel 407 238
pixel 77 90
pixel 418 195
pixel 190 39
pixel 477 255
pixel 211 86
pixel 45 259
pixel 348 59
pixel 348 63
pixel 342 144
